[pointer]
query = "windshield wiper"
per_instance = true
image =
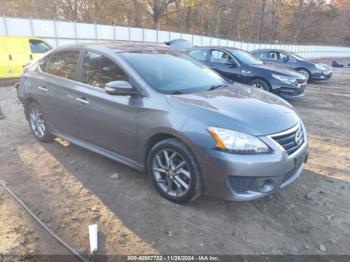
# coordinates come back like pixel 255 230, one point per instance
pixel 213 87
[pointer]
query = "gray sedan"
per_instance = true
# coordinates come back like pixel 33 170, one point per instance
pixel 160 111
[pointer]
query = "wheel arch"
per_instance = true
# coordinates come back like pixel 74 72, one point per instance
pixel 303 68
pixel 157 137
pixel 26 102
pixel 262 79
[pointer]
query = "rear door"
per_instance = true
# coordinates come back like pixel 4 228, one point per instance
pixel 109 121
pixel 57 90
pixel 18 51
pixel 4 59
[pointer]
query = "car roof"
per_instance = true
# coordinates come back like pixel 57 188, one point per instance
pixel 119 46
pixel 270 49
pixel 216 47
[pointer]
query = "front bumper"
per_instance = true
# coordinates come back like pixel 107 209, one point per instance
pixel 321 75
pixel 238 177
pixel 288 92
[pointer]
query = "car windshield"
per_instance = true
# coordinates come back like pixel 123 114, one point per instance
pixel 172 73
pixel 245 57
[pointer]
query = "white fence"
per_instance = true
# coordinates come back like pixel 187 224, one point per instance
pixel 60 32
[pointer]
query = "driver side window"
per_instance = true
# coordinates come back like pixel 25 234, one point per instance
pixel 99 70
pixel 220 57
pixel 283 57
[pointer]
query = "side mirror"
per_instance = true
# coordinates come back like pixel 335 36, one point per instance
pixel 121 88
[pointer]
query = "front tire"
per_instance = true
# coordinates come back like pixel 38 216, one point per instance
pixel 305 73
pixel 174 171
pixel 37 122
pixel 260 84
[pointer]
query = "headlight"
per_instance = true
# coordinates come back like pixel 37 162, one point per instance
pixel 321 67
pixel 237 142
pixel 286 79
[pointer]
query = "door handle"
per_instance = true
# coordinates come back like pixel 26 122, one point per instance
pixel 82 100
pixel 44 89
pixel 10 57
pixel 31 57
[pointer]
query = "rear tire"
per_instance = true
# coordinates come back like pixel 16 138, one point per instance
pixel 174 171
pixel 260 84
pixel 37 122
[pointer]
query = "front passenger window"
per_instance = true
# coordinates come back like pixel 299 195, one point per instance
pixel 99 70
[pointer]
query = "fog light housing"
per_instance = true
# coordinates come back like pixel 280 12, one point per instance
pixel 266 186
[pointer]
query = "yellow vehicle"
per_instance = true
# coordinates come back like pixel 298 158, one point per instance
pixel 16 52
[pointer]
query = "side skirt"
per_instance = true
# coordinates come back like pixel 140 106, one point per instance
pixel 102 151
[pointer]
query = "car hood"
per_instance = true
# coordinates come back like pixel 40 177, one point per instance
pixel 277 69
pixel 238 107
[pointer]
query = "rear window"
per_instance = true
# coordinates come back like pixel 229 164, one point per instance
pixel 64 64
pixel 38 46
pixel 260 54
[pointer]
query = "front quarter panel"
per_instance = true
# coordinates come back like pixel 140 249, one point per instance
pixel 157 118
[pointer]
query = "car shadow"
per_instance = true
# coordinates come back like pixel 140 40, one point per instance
pixel 208 225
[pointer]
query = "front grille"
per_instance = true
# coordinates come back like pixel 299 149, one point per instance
pixel 291 141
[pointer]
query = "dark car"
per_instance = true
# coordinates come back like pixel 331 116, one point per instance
pixel 242 67
pixel 161 112
pixel 312 71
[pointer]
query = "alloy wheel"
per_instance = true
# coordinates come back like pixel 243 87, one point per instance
pixel 37 121
pixel 304 73
pixel 171 172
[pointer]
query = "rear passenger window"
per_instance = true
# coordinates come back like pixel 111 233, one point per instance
pixel 260 54
pixel 99 70
pixel 199 54
pixel 38 46
pixel 64 64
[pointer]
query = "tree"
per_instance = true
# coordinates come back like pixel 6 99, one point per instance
pixel 157 9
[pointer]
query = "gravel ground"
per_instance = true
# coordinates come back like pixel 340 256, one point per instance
pixel 69 188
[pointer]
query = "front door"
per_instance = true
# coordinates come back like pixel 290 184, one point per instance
pixel 225 65
pixel 108 121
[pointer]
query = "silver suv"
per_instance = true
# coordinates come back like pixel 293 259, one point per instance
pixel 162 112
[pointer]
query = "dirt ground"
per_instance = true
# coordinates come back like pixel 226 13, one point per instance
pixel 69 188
